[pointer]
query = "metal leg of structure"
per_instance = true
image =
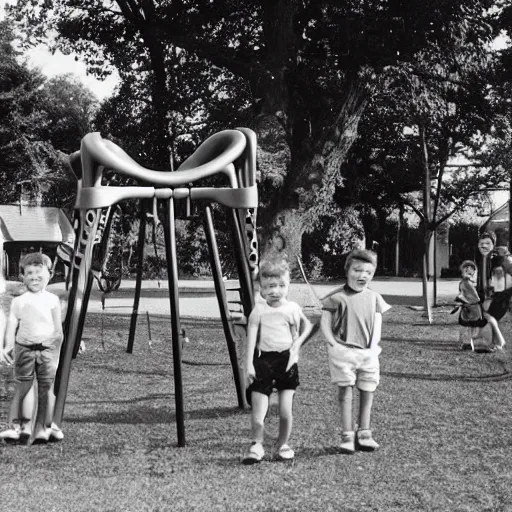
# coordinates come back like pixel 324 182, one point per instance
pixel 244 274
pixel 138 282
pixel 67 320
pixel 172 273
pixel 84 273
pixel 223 303
pixel 83 313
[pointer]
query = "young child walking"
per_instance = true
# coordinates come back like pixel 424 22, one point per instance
pixel 351 323
pixel 34 333
pixel 475 313
pixel 276 330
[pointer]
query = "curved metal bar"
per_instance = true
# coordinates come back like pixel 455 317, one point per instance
pixel 249 158
pixel 102 197
pixel 213 156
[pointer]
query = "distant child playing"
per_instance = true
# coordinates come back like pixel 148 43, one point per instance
pixel 471 301
pixel 34 333
pixel 351 323
pixel 277 328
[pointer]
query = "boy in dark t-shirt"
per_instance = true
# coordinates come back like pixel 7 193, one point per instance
pixel 351 323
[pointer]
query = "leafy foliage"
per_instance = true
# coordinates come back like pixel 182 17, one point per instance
pixel 301 73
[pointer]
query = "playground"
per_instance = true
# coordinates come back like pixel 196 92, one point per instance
pixel 442 418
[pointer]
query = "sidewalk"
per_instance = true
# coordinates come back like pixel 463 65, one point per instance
pixel 198 299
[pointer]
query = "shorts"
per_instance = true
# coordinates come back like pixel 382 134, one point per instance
pixel 351 366
pixel 500 304
pixel 270 373
pixel 36 360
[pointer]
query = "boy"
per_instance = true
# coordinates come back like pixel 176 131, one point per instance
pixel 34 332
pixel 277 328
pixel 351 323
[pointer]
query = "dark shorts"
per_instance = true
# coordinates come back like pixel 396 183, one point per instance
pixel 36 360
pixel 500 304
pixel 270 373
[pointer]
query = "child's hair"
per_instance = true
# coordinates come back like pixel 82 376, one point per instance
pixel 37 259
pixel 273 268
pixel 488 234
pixel 466 264
pixel 361 255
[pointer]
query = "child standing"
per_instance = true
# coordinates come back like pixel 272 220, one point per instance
pixel 277 328
pixel 34 332
pixel 469 297
pixel 351 323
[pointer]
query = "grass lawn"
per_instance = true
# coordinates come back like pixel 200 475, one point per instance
pixel 443 418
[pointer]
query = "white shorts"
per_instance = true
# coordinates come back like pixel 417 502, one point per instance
pixel 352 366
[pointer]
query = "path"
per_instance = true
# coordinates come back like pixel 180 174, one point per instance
pixel 198 300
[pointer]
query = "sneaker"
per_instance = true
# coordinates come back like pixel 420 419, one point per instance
pixel 55 433
pixel 254 455
pixel 11 434
pixel 25 433
pixel 347 445
pixel 41 437
pixel 365 441
pixel 285 453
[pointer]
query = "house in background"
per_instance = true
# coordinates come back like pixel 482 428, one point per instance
pixel 29 228
pixel 498 223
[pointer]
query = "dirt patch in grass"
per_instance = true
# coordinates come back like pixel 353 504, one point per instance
pixel 442 417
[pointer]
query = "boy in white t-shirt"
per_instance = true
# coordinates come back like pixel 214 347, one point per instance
pixel 277 328
pixel 34 332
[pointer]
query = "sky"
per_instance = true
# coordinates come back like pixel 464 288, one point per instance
pixel 58 64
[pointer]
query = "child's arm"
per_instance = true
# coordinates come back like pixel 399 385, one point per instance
pixel 58 335
pixel 325 326
pixel 377 330
pixel 3 325
pixel 252 338
pixel 10 337
pixel 295 348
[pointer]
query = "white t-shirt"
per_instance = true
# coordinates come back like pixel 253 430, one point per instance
pixel 278 327
pixel 34 314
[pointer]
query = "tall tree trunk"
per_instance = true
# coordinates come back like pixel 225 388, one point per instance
pixel 143 15
pixel 426 223
pixel 307 188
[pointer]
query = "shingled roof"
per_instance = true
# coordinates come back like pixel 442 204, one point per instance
pixel 34 224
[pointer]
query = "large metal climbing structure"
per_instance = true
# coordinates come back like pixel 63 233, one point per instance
pixel 229 153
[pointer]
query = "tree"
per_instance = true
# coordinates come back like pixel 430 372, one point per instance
pixel 40 123
pixel 70 108
pixel 311 68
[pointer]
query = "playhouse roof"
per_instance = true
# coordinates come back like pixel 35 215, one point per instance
pixel 34 224
pixel 498 223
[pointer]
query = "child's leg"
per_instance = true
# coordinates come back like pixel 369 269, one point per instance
pixel 347 444
pixel 51 405
pixel 259 403
pixel 45 371
pixel 495 329
pixel 24 412
pixel 365 409
pixel 345 400
pixel 43 390
pixel 16 410
pixel 285 416
pixel 259 411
